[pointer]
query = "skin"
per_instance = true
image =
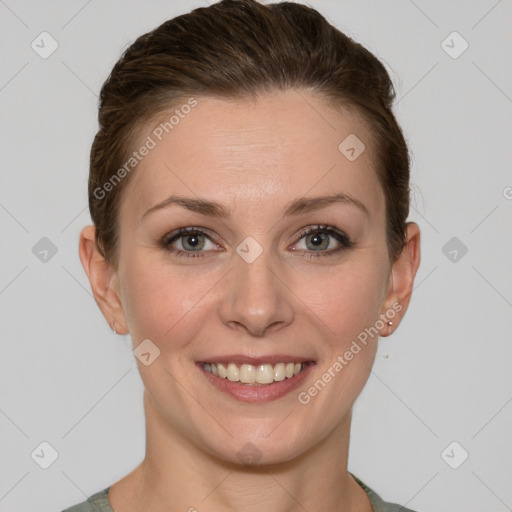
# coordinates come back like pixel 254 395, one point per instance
pixel 253 157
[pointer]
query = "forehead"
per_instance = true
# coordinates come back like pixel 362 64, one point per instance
pixel 274 148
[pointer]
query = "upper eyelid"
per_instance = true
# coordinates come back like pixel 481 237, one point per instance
pixel 181 232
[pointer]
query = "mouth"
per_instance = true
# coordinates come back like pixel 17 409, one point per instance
pixel 259 374
pixel 256 381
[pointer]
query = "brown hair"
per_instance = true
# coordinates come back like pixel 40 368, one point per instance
pixel 235 49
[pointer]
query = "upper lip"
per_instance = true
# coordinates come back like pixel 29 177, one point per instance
pixel 263 359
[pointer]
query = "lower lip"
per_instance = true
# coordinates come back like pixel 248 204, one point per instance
pixel 261 393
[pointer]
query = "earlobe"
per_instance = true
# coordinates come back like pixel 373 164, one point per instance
pixel 103 280
pixel 401 280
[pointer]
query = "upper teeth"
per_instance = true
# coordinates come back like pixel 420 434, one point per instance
pixel 250 374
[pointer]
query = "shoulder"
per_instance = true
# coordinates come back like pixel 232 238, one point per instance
pixel 98 502
pixel 378 504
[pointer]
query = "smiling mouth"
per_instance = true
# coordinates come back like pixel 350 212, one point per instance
pixel 257 374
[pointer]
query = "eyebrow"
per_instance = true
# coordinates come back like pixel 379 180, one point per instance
pixel 295 207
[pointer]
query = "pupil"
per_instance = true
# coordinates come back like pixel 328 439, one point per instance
pixel 316 241
pixel 192 241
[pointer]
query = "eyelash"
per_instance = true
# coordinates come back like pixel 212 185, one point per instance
pixel 341 237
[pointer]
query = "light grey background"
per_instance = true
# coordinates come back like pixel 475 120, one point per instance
pixel 444 376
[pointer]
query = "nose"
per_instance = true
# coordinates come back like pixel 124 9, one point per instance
pixel 257 299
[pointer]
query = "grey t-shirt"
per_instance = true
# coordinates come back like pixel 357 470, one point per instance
pixel 99 502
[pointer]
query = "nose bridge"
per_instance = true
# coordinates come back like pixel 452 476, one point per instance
pixel 256 297
pixel 255 277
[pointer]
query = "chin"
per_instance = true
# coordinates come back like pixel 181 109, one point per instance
pixel 253 450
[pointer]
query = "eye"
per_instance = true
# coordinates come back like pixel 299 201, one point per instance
pixel 190 242
pixel 319 238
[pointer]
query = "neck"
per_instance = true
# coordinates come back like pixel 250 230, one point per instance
pixel 176 475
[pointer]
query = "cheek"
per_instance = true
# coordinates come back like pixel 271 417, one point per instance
pixel 349 306
pixel 161 300
pixel 347 300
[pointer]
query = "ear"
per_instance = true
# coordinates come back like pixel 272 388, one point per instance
pixel 401 281
pixel 103 279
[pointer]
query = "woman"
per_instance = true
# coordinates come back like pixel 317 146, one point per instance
pixel 249 188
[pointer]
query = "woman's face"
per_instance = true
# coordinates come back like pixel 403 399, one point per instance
pixel 248 287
